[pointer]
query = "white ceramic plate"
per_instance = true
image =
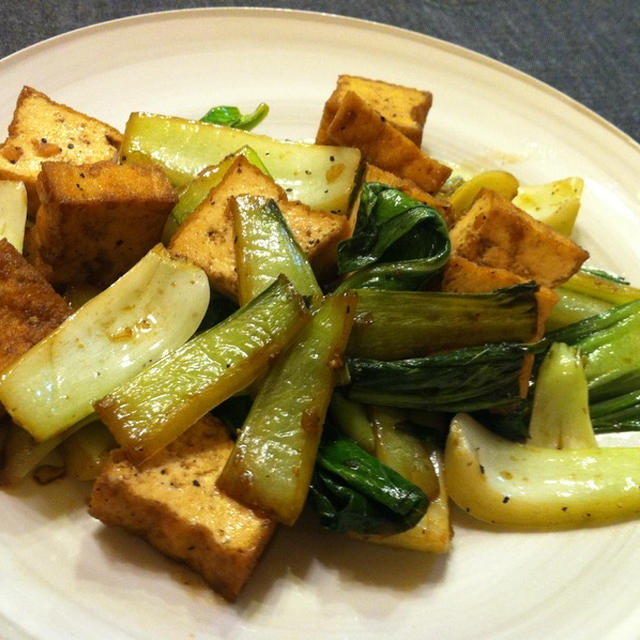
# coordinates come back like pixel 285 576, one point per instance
pixel 63 575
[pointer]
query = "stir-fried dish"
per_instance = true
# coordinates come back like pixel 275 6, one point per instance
pixel 220 330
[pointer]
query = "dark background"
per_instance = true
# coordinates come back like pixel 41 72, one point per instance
pixel 589 49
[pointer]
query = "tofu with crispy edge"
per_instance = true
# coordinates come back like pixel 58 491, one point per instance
pixel 97 220
pixel 356 124
pixel 206 236
pixel 42 130
pixel 404 108
pixel 172 501
pixel 496 233
pixel 29 307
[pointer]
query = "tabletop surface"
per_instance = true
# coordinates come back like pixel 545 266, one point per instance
pixel 588 49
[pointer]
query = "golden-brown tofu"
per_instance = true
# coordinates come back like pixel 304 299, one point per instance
pixel 206 236
pixel 496 233
pixel 404 108
pixel 29 307
pixel 172 501
pixel 97 220
pixel 463 276
pixel 355 124
pixel 42 130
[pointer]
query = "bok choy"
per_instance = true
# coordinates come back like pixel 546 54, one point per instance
pixel 153 308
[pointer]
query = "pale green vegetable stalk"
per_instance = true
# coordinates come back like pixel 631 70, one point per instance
pixel 265 248
pixel 272 462
pixel 153 308
pixel 13 212
pixel 509 483
pixel 560 414
pixel 150 410
pixel 321 176
pixel 554 203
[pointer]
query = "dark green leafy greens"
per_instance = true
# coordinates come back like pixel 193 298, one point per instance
pixel 468 379
pixel 232 117
pixel 398 242
pixel 353 491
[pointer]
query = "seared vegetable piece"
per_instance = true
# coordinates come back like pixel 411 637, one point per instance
pixel 555 203
pixel 22 454
pixel 232 117
pixel 398 242
pixel 620 413
pixel 574 307
pixel 265 248
pixel 611 342
pixel 469 379
pixel 198 189
pixel 353 491
pixel 86 451
pixel 13 212
pixel 560 414
pixel 152 409
pixel 404 324
pixel 352 421
pixel 503 182
pixel 272 462
pixel 602 286
pixel 509 483
pixel 320 176
pixel 419 460
pixel 153 308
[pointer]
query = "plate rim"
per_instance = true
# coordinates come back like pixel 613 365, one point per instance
pixel 328 17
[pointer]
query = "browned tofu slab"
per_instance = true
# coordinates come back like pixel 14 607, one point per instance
pixel 42 130
pixel 172 501
pixel 355 124
pixel 496 233
pixel 206 236
pixel 404 108
pixel 97 220
pixel 29 307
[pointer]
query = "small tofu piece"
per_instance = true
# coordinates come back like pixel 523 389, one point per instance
pixel 29 307
pixel 172 501
pixel 404 108
pixel 206 236
pixel 97 220
pixel 42 130
pixel 496 233
pixel 463 276
pixel 355 124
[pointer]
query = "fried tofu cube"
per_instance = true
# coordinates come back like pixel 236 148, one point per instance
pixel 356 124
pixel 43 130
pixel 29 307
pixel 404 108
pixel 97 220
pixel 172 501
pixel 496 233
pixel 206 236
pixel 463 276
